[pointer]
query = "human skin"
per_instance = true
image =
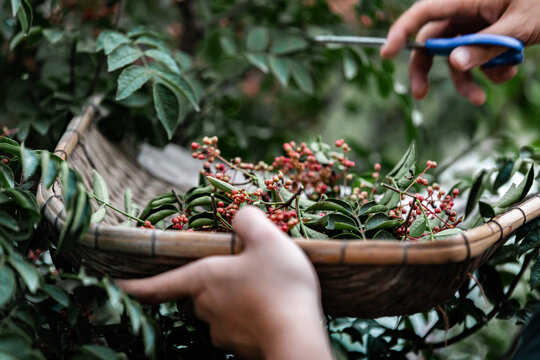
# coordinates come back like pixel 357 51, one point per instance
pixel 449 18
pixel 263 303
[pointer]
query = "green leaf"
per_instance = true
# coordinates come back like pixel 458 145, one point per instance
pixel 228 45
pixel 57 293
pixel 135 315
pixel 486 210
pixel 329 206
pixel 199 223
pixel 257 39
pixel 303 203
pixel 505 172
pixel 302 77
pixel 8 221
pixel 517 193
pixel 6 176
pixel 53 35
pixel 7 285
pixel 130 80
pixel 475 193
pixel 167 107
pixel 531 239
pixel 372 207
pixel 287 44
pixel 447 233
pixel 164 58
pixel 491 281
pixel 27 272
pixel 221 185
pixel 151 41
pixel 381 221
pixel 30 162
pixel 391 199
pixel 259 61
pixel 200 201
pixel 98 352
pixel 99 215
pixel 100 187
pixel 181 86
pixel 280 69
pixel 15 5
pixel 350 68
pixel 383 235
pixel 418 227
pixel 401 172
pixel 535 274
pixel 49 169
pixel 160 215
pixel 149 337
pixel 109 40
pixel 121 56
pixel 23 19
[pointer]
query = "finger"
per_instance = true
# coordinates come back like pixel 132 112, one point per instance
pixel 171 285
pixel 420 61
pixel 255 229
pixel 465 58
pixel 500 74
pixel 420 14
pixel 465 85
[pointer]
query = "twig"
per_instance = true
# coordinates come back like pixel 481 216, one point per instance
pixel 287 203
pixel 114 208
pixel 178 200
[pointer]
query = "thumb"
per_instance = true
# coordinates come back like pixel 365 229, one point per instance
pixel 254 228
pixel 465 58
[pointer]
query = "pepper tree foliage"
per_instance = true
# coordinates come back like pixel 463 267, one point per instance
pixel 220 67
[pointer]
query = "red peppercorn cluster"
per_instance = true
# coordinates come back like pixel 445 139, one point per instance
pixel 284 219
pixel 179 222
pixel 207 151
pixel 148 225
pixel 436 205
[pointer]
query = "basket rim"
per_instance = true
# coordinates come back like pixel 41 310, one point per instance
pixel 192 245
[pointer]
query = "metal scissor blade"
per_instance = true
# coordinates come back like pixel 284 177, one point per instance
pixel 351 40
pixel 365 41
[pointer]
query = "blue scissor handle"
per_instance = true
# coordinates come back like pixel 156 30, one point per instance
pixel 513 56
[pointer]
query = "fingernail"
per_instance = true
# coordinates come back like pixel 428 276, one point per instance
pixel 462 58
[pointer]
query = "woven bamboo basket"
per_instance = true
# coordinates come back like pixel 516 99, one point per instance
pixel 358 278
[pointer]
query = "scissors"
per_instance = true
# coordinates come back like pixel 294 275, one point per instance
pixel 444 46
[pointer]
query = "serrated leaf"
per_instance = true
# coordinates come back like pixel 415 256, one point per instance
pixel 280 69
pixel 130 80
pixel 27 272
pixel 257 39
pixel 350 68
pixel 418 227
pixel 7 285
pixel 164 58
pixel 167 107
pixel 285 44
pixel 181 86
pixel 109 40
pixel 259 61
pixel 121 56
pixel 302 77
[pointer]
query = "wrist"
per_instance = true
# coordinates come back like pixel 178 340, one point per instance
pixel 297 335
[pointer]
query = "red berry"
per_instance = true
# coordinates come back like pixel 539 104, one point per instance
pixel 377 167
pixel 455 192
pixel 194 146
pixel 5 160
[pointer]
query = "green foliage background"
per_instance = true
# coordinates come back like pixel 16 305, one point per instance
pixel 246 71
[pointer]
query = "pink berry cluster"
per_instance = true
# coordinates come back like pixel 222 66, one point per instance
pixel 207 151
pixel 179 222
pixel 284 219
